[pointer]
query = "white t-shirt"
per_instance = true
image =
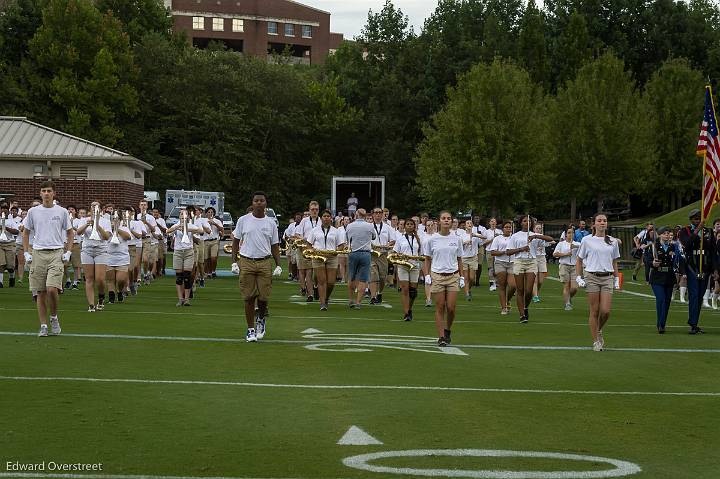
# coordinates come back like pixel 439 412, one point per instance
pixel 50 226
pixel 540 248
pixel 444 251
pixel 137 226
pixel 178 244
pixel 10 222
pixel 149 218
pixel 118 253
pixel 520 240
pixel 327 238
pixel 306 226
pixel 201 222
pixel 216 227
pixel 597 255
pixel 20 225
pixel 161 222
pixel 76 222
pixel 408 244
pixel 564 247
pixel 500 243
pixel 87 242
pixel 470 244
pixel 289 231
pixel 384 234
pixel 257 236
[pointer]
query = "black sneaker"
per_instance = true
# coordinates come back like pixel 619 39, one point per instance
pixel 523 319
pixel 447 336
pixel 526 313
pixel 12 282
pixel 379 298
pixel 316 294
pixel 442 342
pixel 214 275
pixel 373 301
pixel 661 330
pixel 309 299
pixel 303 292
pixel 111 297
pixel 75 286
pixel 202 283
pixel 695 330
pixel 121 297
pixel 407 317
pixel 67 285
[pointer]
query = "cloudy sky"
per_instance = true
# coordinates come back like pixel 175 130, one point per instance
pixel 349 16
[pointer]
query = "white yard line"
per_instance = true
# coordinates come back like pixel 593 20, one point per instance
pixel 361 387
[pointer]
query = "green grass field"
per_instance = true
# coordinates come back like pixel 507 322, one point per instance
pixel 151 390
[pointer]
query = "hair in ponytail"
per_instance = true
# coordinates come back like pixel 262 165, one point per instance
pixel 608 239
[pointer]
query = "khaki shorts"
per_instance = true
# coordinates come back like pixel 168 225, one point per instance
pixel 7 255
pixel 502 267
pixel 75 257
pixel 599 284
pixel 120 269
pixel 442 283
pixel 471 263
pixel 480 255
pixel 211 248
pixel 406 274
pixel 18 250
pixel 146 249
pixel 378 268
pixel 331 263
pixel 302 262
pixel 183 259
pixel 200 248
pixel 541 264
pixel 567 272
pixel 291 256
pixel 153 253
pixel 46 269
pixel 524 265
pixel 256 278
pixel 132 251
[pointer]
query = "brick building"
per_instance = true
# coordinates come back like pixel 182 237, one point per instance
pixel 82 171
pixel 258 27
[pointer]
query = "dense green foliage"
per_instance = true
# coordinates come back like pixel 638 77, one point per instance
pixel 626 77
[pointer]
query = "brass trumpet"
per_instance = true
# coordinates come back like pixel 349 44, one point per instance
pixel 404 259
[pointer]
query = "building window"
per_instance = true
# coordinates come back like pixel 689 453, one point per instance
pixel 237 25
pixel 307 31
pixel 289 30
pixel 272 28
pixel 218 25
pixel 198 23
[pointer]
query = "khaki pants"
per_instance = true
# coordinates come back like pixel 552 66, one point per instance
pixel 7 256
pixel 46 269
pixel 256 278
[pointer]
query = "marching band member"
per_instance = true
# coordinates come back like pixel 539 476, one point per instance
pixel 135 249
pixel 7 245
pixel 566 253
pixel 118 259
pixel 93 255
pixel 162 242
pixel 479 229
pixel 343 258
pixel 598 255
pixel 359 235
pixel 472 240
pixel 326 238
pixel 302 231
pixel 491 233
pixel 212 243
pixel 290 252
pixel 149 222
pixel 76 256
pixel 384 240
pixel 408 243
pixel 443 259
pixel 53 232
pixel 541 262
pixel 183 254
pixel 430 229
pixel 523 246
pixel 19 257
pixel 260 245
pixel 204 225
pixel 503 267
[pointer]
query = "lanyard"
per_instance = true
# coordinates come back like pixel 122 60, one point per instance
pixel 411 241
pixel 378 231
pixel 317 220
pixel 326 233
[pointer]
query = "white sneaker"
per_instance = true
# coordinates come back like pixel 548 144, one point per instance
pixel 250 337
pixel 55 326
pixel 568 307
pixel 43 331
pixel 493 287
pixel 601 340
pixel 504 312
pixel 706 304
pixel 597 346
pixel 260 328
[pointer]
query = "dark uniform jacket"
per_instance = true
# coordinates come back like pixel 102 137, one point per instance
pixel 690 240
pixel 669 261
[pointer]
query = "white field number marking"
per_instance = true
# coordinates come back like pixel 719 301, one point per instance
pixel 357 437
pixel 621 468
pixel 365 343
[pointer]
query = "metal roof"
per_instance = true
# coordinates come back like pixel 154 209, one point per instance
pixel 22 138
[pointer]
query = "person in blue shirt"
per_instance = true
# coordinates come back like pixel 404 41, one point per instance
pixel 580 232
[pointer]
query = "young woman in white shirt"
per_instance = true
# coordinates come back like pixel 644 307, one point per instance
pixel 598 256
pixel 471 243
pixel 118 260
pixel 408 243
pixel 443 259
pixel 503 267
pixel 566 253
pixel 523 246
pixel 183 254
pixel 94 257
pixel 541 262
pixel 430 229
pixel 326 238
pixel 491 232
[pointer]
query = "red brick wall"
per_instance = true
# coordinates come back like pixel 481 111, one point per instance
pixel 78 192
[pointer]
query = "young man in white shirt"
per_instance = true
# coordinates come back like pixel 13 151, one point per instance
pixel 260 246
pixel 8 231
pixel 302 231
pixel 51 248
pixel 162 242
pixel 149 221
pixel 383 242
pixel 212 242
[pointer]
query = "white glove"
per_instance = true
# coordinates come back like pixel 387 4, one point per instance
pixel 462 281
pixel 28 257
pixel 66 256
pixel 428 279
pixel 235 268
pixel 616 285
pixel 277 271
pixel 580 282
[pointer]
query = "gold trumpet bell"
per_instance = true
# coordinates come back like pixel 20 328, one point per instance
pixel 228 248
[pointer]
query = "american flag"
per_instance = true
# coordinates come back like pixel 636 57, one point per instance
pixel 709 148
